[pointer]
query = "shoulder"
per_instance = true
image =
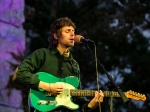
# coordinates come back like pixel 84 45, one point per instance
pixel 40 52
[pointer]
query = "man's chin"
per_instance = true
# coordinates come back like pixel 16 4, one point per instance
pixel 71 45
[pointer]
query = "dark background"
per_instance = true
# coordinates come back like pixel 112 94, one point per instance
pixel 121 47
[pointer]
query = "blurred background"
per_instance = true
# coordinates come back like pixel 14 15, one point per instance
pixel 119 28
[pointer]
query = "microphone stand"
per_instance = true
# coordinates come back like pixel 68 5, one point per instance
pixel 112 84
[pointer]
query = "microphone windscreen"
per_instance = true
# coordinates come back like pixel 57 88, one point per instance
pixel 77 39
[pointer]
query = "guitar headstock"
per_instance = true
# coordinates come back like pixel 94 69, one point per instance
pixel 135 96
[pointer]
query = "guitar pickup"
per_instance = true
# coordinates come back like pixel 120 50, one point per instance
pixel 44 102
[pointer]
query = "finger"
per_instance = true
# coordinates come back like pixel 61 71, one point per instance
pixel 99 96
pixel 59 92
pixel 60 87
pixel 101 93
pixel 96 96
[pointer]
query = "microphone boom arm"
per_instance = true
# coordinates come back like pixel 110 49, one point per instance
pixel 124 98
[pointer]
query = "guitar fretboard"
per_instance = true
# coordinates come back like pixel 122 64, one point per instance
pixel 92 93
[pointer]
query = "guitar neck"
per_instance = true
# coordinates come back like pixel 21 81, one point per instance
pixel 92 93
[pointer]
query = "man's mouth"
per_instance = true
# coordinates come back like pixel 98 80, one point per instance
pixel 72 39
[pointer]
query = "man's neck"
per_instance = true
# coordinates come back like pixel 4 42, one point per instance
pixel 63 50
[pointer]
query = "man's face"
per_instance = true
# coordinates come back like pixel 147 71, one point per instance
pixel 67 38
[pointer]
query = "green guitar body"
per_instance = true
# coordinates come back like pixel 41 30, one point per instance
pixel 44 103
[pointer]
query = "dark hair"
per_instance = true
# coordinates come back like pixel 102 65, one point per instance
pixel 56 28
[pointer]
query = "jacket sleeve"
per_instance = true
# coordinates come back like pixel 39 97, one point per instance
pixel 83 103
pixel 26 73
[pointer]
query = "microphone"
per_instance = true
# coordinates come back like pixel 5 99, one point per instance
pixel 80 39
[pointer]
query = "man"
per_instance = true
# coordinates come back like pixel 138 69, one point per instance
pixel 57 61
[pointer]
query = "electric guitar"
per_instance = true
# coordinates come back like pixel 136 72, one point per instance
pixel 43 101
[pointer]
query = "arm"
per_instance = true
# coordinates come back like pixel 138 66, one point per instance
pixel 25 72
pixel 41 85
pixel 87 105
pixel 53 88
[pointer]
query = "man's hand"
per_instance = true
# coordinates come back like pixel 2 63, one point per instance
pixel 53 88
pixel 56 88
pixel 95 101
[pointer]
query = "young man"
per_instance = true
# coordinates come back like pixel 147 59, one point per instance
pixel 59 69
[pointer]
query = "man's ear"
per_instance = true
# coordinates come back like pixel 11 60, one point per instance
pixel 55 36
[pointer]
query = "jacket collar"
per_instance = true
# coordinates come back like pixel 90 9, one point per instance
pixel 55 51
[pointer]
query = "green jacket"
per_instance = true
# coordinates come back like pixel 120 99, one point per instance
pixel 50 61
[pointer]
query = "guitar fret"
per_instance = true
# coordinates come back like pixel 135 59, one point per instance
pixel 111 93
pixel 82 92
pixel 92 93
